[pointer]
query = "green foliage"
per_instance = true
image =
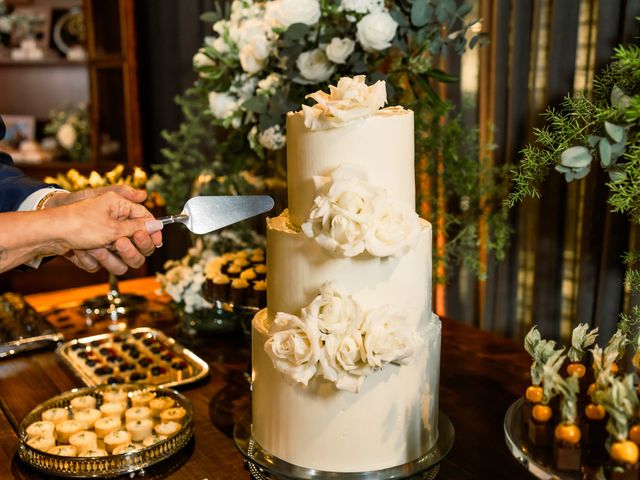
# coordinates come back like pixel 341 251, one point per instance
pixel 621 402
pixel 603 125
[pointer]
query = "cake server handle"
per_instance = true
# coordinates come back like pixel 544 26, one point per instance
pixel 181 218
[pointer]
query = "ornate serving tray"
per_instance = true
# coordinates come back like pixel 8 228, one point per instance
pixel 113 464
pixel 22 328
pixel 142 355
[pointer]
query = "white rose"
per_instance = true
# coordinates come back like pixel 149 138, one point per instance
pixel 294 347
pixel 387 337
pixel 339 49
pixel 283 13
pixel 342 362
pixel 395 229
pixel 220 46
pixel 376 30
pixel 341 216
pixel 222 105
pixel 254 55
pixel 333 312
pixel 200 59
pixel 66 136
pixel 248 31
pixel 348 101
pixel 314 67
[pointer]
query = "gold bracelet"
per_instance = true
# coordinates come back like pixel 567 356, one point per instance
pixel 43 201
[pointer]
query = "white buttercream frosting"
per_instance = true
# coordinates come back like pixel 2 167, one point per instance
pixel 351 216
pixel 351 99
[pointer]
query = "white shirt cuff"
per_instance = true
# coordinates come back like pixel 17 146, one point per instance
pixel 30 203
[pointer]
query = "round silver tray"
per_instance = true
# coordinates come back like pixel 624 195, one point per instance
pixel 111 465
pixel 264 466
pixel 537 460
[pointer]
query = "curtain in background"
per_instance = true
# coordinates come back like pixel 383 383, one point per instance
pixel 564 265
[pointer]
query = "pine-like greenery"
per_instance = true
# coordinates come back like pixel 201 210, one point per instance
pixel 602 126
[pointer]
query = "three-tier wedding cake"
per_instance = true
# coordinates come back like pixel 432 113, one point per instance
pixel 346 355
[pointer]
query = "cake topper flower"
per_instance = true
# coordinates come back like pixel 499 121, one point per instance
pixel 350 100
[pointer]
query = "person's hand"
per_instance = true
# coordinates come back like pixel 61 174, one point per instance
pixel 129 252
pixel 106 228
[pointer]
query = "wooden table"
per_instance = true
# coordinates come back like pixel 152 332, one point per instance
pixel 481 375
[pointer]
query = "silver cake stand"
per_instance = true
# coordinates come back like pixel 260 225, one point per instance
pixel 264 466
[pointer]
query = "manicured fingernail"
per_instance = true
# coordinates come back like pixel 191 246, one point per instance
pixel 154 226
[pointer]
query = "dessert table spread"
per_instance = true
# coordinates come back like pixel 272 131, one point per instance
pixel 481 375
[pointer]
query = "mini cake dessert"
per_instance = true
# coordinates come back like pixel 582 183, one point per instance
pixel 125 449
pixel 238 291
pixel 159 404
pixel 87 417
pixel 55 415
pixel 113 409
pixel 113 396
pixel 140 429
pixel 64 451
pixel 83 402
pixel 116 439
pixel 37 429
pixel 137 413
pixel 65 429
pixel 167 428
pixel 153 439
pixel 84 441
pixel 176 414
pixel 43 442
pixel 107 425
pixel 94 452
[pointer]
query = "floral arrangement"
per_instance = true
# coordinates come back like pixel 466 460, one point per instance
pixel 350 217
pixel 334 338
pixel 71 130
pixel 264 57
pixel 597 127
pixel 73 180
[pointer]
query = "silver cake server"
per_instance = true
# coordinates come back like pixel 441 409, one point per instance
pixel 205 214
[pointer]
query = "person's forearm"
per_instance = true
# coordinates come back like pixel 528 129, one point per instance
pixel 27 235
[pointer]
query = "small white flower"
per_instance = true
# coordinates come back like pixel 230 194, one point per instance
pixel 376 30
pixel 283 13
pixel 272 138
pixel 269 84
pixel 314 67
pixel 220 46
pixel 67 136
pixel 339 49
pixel 222 105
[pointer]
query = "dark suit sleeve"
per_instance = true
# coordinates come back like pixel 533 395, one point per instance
pixel 15 186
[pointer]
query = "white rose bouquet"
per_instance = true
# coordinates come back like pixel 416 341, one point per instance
pixel 263 57
pixel 297 43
